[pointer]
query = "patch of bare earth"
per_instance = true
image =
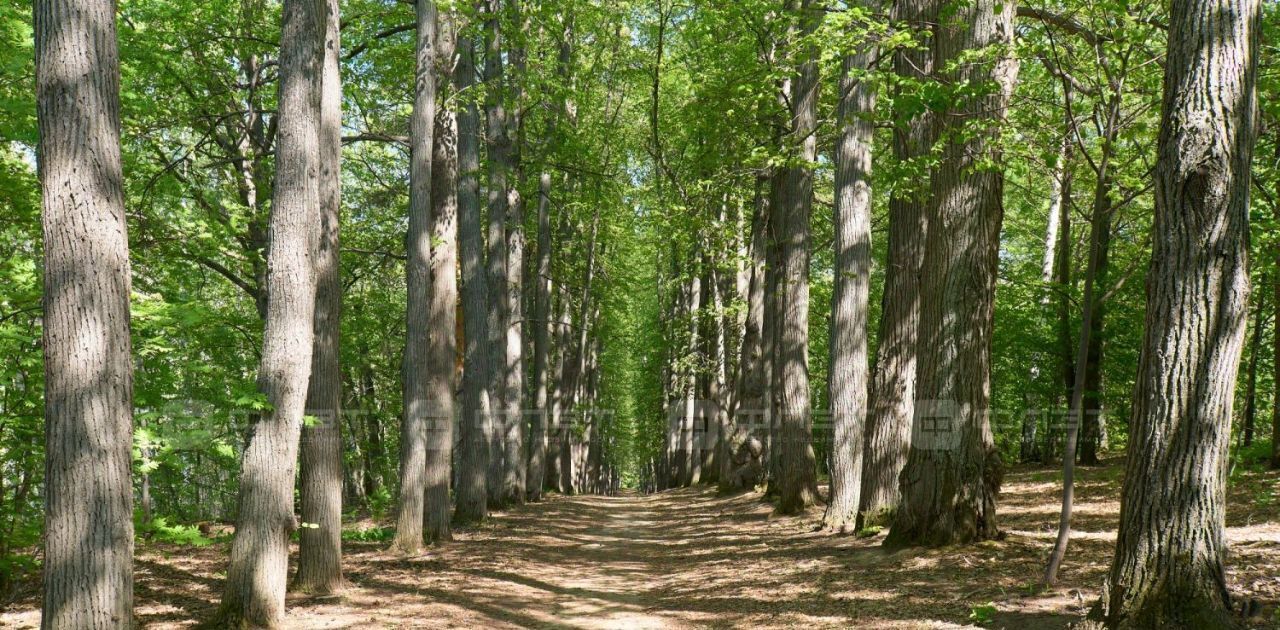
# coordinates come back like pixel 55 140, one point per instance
pixel 687 559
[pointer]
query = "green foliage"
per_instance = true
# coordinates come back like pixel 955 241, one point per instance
pixel 983 614
pixel 158 529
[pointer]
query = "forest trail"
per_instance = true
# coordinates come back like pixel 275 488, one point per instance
pixel 689 559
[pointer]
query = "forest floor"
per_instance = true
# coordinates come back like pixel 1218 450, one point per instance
pixel 688 558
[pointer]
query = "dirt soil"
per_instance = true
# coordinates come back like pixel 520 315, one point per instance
pixel 687 558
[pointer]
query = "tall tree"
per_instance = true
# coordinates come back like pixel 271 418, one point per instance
pixel 750 397
pixel 499 163
pixel 541 345
pixel 515 465
pixel 847 382
pixel 88 404
pixel 256 576
pixel 320 474
pixel 474 441
pixel 952 475
pixel 1168 567
pixel 421 408
pixel 442 380
pixel 798 486
pixel 893 381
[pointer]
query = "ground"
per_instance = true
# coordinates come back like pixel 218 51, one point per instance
pixel 688 558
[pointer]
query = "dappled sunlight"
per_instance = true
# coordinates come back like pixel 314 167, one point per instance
pixel 690 559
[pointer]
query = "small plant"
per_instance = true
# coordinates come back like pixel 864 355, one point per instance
pixel 160 530
pixel 868 532
pixel 369 534
pixel 983 614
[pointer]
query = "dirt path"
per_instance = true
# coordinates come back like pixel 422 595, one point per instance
pixel 688 559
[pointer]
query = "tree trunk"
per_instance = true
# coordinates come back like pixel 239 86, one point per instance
pixel 1092 422
pixel 88 535
pixel 541 345
pixel 472 489
pixel 893 381
pixel 257 574
pixel 442 378
pixel 847 382
pixel 798 488
pixel 320 478
pixel 419 324
pixel 952 474
pixel 748 411
pixel 498 146
pixel 1168 568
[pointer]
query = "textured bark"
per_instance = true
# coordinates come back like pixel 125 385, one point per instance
pixel 847 382
pixel 748 411
pixel 442 377
pixel 419 414
pixel 88 543
pixel 256 576
pixel 541 345
pixel 473 467
pixel 952 475
pixel 798 487
pixel 772 343
pixel 498 146
pixel 320 471
pixel 893 381
pixel 1171 546
pixel 516 465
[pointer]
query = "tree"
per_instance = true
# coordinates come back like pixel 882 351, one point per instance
pixel 848 375
pixel 952 475
pixel 893 381
pixel 798 487
pixel 443 311
pixel 256 576
pixel 1168 568
pixel 423 405
pixel 320 474
pixel 474 441
pixel 88 406
pixel 541 341
pixel 499 163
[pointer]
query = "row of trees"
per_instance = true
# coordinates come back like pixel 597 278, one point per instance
pixel 465 349
pixel 911 444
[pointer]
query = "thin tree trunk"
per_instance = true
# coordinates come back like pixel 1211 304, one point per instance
pixel 893 381
pixel 798 487
pixel 1251 389
pixel 1098 235
pixel 320 473
pixel 88 526
pixel 257 574
pixel 472 488
pixel 847 382
pixel 1091 415
pixel 541 344
pixel 1171 546
pixel 952 476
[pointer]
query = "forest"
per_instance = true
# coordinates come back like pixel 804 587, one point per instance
pixel 640 314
